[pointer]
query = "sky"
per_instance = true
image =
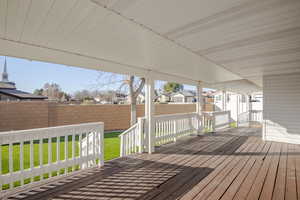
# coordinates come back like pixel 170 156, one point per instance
pixel 30 75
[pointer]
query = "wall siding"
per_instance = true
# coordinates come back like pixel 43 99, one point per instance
pixel 282 108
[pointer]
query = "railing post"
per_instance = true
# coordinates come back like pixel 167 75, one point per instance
pixel 122 147
pixel 213 120
pixel 141 135
pixel 101 146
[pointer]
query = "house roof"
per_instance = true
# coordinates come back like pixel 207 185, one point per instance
pixel 20 94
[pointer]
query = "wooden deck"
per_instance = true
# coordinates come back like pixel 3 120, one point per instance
pixel 234 164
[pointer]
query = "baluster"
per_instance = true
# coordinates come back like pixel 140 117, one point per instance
pixel 80 150
pixel 11 163
pixel 127 143
pixel 140 133
pixel 73 151
pixel 41 156
pixel 87 148
pixel 31 158
pixel 21 161
pixel 50 154
pixel 159 138
pixel 66 153
pixel 175 130
pixel 58 152
pixel 94 148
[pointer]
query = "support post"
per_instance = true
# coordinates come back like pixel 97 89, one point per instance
pixel 149 113
pixel 237 109
pixel 199 107
pixel 224 100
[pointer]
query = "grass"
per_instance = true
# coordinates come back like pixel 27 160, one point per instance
pixel 111 151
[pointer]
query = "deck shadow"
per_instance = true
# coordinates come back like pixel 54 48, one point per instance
pixel 131 182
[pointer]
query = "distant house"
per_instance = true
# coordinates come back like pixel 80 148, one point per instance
pixel 164 97
pixel 9 92
pixel 183 97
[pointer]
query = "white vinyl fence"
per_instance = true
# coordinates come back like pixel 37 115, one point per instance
pixel 35 154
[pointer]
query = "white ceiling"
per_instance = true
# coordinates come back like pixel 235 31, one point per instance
pixel 194 40
pixel 251 38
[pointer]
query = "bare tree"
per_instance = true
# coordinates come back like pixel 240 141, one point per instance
pixel 131 84
pixel 134 91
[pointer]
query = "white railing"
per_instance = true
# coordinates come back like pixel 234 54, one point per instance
pixel 216 120
pixel 222 119
pixel 243 119
pixel 132 140
pixel 169 128
pixel 250 116
pixel 35 154
pixel 256 116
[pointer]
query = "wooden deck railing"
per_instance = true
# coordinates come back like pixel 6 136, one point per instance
pixel 30 155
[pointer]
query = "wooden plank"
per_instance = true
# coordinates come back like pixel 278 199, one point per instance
pixel 291 187
pixel 261 176
pixel 227 190
pixel 249 180
pixel 193 171
pixel 193 180
pixel 162 171
pixel 226 175
pixel 279 188
pixel 269 184
pixel 198 188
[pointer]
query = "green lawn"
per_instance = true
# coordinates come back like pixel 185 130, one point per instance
pixel 111 151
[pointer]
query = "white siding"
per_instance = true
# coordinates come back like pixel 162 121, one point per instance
pixel 282 108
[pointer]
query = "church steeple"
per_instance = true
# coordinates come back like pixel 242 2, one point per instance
pixel 5 74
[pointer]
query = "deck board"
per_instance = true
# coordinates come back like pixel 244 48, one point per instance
pixel 233 164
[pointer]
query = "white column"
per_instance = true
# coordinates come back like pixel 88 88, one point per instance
pixel 237 109
pixel 199 106
pixel 149 113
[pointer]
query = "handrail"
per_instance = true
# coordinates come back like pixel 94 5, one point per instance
pixel 128 130
pixel 132 139
pixel 68 148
